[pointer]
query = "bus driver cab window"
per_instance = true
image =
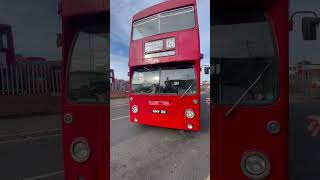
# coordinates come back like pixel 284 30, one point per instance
pixel 245 54
pixel 88 81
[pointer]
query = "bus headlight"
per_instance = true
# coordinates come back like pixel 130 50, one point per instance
pixel 255 165
pixel 189 113
pixel 135 109
pixel 135 120
pixel 190 126
pixel 80 150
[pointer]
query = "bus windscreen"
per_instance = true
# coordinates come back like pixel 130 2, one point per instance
pixel 243 48
pixel 179 79
pixel 168 21
pixel 88 81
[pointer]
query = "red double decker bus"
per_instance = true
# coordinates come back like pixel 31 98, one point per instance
pixel 249 93
pixel 85 81
pixel 164 66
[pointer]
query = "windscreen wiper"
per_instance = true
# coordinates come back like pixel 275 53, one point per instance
pixel 147 69
pixel 227 114
pixel 186 91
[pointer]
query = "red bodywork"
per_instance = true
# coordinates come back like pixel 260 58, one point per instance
pixel 89 121
pixel 245 129
pixel 187 50
pixel 9 51
pixel 5 30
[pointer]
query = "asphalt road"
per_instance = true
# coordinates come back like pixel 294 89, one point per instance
pixel 32 158
pixel 141 152
pixel 304 149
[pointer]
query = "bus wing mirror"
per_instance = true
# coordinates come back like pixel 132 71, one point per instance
pixel 206 70
pixel 201 56
pixel 309 27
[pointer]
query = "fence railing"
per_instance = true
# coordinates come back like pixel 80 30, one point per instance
pixel 304 85
pixel 39 78
pixel 30 78
pixel 119 86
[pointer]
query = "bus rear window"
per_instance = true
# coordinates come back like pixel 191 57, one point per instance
pixel 179 79
pixel 168 21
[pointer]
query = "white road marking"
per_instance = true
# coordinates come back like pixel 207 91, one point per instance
pixel 119 118
pixel 29 133
pixel 120 105
pixel 44 175
pixel 30 138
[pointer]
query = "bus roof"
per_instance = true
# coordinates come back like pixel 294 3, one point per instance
pixel 80 7
pixel 167 5
pixel 241 4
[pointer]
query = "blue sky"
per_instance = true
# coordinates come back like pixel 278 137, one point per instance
pixel 120 27
pixel 34 25
pixel 299 49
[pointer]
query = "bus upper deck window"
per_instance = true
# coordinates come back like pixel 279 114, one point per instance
pixel 168 21
pixel 88 79
pixel 245 50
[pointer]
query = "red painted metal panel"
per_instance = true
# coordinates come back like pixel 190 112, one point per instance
pixel 80 7
pixel 245 130
pixel 175 117
pixel 245 4
pixel 90 121
pixel 187 48
pixel 173 104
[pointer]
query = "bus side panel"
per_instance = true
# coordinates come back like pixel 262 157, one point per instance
pixel 245 130
pixel 80 7
pixel 279 15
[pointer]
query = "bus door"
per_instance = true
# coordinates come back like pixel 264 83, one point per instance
pixel 85 99
pixel 248 95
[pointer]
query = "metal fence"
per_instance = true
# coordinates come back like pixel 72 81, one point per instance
pixel 304 85
pixel 39 78
pixel 119 86
pixel 30 78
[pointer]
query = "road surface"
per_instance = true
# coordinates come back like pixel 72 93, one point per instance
pixel 30 148
pixel 140 152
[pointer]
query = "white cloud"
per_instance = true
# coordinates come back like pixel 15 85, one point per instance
pixel 120 66
pixel 121 16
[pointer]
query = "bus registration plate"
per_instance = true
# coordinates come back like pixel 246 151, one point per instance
pixel 156 111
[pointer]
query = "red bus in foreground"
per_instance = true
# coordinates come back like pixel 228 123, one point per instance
pixel 164 65
pixel 249 93
pixel 249 87
pixel 85 96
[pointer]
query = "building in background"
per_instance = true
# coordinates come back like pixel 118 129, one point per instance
pixel 304 79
